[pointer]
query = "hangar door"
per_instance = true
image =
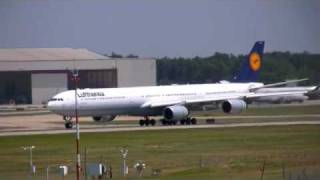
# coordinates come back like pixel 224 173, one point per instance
pixel 15 88
pixel 44 86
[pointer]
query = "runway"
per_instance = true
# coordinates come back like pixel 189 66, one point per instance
pixel 15 123
pixel 119 128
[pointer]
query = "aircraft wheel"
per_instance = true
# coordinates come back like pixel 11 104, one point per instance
pixel 193 121
pixel 68 125
pixel 182 121
pixel 141 122
pixel 188 121
pixel 152 122
pixel 97 118
pixel 147 122
pixel 164 122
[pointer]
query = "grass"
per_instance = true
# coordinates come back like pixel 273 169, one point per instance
pixel 228 153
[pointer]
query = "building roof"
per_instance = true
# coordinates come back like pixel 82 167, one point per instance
pixel 47 54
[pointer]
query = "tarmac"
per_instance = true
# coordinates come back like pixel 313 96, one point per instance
pixel 32 119
pixel 53 124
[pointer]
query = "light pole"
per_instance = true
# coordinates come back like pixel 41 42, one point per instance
pixel 25 148
pixel 47 171
pixel 124 153
pixel 76 81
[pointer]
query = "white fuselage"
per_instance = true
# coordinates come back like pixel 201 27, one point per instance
pixel 131 101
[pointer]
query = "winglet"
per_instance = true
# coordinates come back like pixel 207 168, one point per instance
pixel 317 88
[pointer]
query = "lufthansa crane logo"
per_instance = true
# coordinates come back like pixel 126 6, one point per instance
pixel 255 61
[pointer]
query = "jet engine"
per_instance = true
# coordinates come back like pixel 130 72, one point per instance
pixel 175 112
pixel 234 106
pixel 104 118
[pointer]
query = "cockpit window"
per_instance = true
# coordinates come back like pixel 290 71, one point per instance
pixel 55 99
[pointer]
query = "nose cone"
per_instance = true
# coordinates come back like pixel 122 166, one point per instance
pixel 53 106
pixel 50 106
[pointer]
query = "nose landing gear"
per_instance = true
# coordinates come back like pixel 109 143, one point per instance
pixel 68 122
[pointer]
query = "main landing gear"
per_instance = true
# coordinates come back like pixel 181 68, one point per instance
pixel 187 121
pixel 68 122
pixel 166 122
pixel 146 121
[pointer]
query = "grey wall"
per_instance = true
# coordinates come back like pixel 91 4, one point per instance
pixel 55 65
pixel 129 72
pixel 44 86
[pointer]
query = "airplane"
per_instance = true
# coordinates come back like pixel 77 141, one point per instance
pixel 173 102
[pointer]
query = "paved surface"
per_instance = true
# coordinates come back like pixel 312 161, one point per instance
pixel 267 117
pixel 37 120
pixel 46 122
pixel 134 128
pixel 53 124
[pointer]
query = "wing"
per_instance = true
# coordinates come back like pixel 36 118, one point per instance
pixel 209 99
pixel 278 84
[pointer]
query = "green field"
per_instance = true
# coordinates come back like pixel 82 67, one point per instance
pixel 226 153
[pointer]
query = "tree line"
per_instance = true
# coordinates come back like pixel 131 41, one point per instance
pixel 276 67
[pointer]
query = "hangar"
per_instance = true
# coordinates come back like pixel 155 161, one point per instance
pixel 33 75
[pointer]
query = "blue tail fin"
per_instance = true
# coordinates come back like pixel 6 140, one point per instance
pixel 251 64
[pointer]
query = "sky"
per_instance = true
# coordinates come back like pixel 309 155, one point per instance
pixel 158 28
